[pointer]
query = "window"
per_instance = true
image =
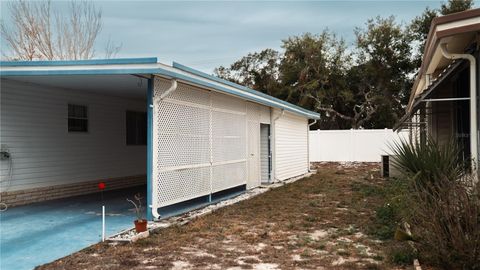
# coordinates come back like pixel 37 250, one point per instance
pixel 136 128
pixel 77 118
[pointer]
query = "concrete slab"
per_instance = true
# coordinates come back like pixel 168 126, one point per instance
pixel 35 234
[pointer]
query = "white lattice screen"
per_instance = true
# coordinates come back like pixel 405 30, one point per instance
pixel 199 143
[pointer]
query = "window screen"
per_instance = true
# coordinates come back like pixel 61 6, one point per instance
pixel 136 128
pixel 77 118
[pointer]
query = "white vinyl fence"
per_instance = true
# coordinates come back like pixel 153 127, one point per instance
pixel 367 145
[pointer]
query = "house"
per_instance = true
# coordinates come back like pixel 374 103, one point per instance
pixel 67 125
pixel 444 99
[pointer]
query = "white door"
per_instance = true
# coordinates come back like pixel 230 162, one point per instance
pixel 254 178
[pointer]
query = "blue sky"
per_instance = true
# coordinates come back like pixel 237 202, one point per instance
pixel 205 35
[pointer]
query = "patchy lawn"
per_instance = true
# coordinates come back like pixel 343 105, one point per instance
pixel 323 221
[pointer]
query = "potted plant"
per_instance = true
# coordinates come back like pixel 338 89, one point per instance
pixel 140 222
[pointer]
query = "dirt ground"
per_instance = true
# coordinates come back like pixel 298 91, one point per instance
pixel 319 222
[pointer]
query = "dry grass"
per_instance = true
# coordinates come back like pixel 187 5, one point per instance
pixel 320 222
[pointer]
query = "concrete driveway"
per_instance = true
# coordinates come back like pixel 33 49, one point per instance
pixel 39 233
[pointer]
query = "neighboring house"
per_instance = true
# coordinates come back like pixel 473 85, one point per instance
pixel 66 125
pixel 444 98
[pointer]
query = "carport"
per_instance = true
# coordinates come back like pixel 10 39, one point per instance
pixel 187 135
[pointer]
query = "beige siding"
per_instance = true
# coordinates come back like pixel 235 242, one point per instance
pixel 34 129
pixel 291 149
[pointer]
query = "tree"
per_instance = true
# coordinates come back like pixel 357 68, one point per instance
pixel 453 6
pixel 363 86
pixel 312 71
pixel 38 32
pixel 259 71
pixel 360 87
pixel 384 68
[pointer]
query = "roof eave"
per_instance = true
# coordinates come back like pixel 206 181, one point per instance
pixel 146 66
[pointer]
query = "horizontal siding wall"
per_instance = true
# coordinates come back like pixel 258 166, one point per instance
pixel 291 149
pixel 33 127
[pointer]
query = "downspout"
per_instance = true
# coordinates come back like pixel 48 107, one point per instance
pixel 308 143
pixel 473 102
pixel 170 90
pixel 274 159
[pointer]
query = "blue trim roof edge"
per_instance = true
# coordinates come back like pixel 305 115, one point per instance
pixel 240 87
pixel 117 61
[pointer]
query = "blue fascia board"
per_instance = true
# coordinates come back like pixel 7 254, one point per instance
pixel 117 61
pixel 78 72
pixel 238 86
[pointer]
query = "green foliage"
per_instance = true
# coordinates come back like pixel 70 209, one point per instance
pixel 258 71
pixel 313 72
pixel 393 212
pixel 319 72
pixel 452 6
pixel 366 85
pixel 424 162
pixel 383 69
pixel 402 255
pixel 443 203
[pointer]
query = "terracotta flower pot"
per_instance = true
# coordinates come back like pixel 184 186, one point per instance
pixel 140 225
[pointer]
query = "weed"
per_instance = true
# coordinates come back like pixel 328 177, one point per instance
pixel 313 204
pixel 343 253
pixel 403 255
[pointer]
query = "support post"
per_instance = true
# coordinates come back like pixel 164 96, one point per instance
pixel 149 147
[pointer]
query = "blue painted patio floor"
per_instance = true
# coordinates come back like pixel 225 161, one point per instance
pixel 35 234
pixel 39 233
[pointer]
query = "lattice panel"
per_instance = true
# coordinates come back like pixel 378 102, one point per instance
pixel 228 131
pixel 199 143
pixel 228 176
pixel 182 185
pixel 181 144
pixel 228 142
pixel 187 92
pixel 183 135
pixel 253 112
pixel 222 101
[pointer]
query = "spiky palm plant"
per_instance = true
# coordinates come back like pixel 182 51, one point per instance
pixel 427 161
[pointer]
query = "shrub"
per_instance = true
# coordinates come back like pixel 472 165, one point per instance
pixel 444 203
pixel 402 255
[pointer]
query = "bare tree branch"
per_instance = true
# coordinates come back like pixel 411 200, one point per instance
pixel 111 49
pixel 361 112
pixel 37 32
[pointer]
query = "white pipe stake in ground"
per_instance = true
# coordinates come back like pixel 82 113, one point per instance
pixel 103 223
